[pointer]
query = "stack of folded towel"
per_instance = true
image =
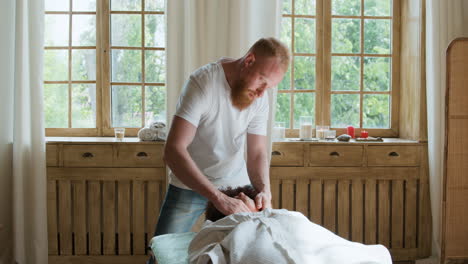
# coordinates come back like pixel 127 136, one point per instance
pixel 155 132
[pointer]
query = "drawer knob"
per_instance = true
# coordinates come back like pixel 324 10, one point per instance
pixel 87 155
pixel 276 153
pixel 142 154
pixel 334 154
pixel 393 154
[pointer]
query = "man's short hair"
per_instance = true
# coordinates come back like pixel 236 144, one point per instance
pixel 213 214
pixel 271 47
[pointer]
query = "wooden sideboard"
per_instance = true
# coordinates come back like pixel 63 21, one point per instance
pixel 365 192
pixel 104 196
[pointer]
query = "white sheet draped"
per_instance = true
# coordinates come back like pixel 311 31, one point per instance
pixel 446 20
pixel 277 237
pixel 202 31
pixel 24 234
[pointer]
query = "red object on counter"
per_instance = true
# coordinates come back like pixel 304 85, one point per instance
pixel 350 131
pixel 364 134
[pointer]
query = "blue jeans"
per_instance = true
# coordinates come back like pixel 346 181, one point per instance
pixel 180 210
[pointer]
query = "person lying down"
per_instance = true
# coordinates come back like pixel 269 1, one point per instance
pixel 274 236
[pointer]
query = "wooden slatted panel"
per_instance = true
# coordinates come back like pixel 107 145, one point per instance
pixel 287 194
pixel 410 214
pixel 79 216
pixel 138 218
pixel 384 213
pixel 357 211
pixel 153 207
pixel 329 205
pixel 316 202
pixel 275 193
pixel 94 217
pixel 108 206
pixel 370 212
pixel 397 213
pixel 52 217
pixel 343 209
pixel 65 217
pixel 302 197
pixel 123 212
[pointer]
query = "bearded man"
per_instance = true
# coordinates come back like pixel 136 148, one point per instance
pixel 223 106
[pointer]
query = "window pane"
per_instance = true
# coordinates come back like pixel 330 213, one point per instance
pixel 304 7
pixel 126 106
pixel 126 5
pixel 285 84
pixel 126 30
pixel 84 30
pixel 56 105
pixel 84 5
pixel 377 36
pixel 286 31
pixel 377 74
pixel 155 66
pixel 346 73
pixel 304 105
pixel 345 110
pixel 84 65
pixel 84 105
pixel 56 65
pixel 287 7
pixel 304 37
pixel 346 7
pixel 377 7
pixel 56 30
pixel 56 5
pixel 346 35
pixel 154 5
pixel 126 65
pixel 155 35
pixel 283 108
pixel 304 73
pixel 376 111
pixel 155 104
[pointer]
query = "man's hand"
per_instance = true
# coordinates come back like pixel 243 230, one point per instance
pixel 263 200
pixel 228 205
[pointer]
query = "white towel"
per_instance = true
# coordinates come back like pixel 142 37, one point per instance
pixel 147 134
pixel 277 236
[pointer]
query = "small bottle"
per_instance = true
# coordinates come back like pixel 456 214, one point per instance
pixel 350 131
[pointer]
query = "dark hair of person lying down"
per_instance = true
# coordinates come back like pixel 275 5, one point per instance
pixel 213 214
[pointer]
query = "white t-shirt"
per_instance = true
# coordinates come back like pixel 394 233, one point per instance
pixel 219 142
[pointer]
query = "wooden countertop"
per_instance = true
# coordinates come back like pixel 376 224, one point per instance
pixel 135 140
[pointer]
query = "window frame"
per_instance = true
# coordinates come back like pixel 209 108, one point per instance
pixel 103 81
pixel 323 56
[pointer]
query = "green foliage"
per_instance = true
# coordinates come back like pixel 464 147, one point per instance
pixel 345 110
pixel 56 105
pixel 346 70
pixel 126 106
pixel 304 7
pixel 304 73
pixel 84 105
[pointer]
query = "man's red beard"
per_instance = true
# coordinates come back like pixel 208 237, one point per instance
pixel 240 95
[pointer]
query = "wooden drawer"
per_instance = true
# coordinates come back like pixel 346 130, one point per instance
pixel 140 155
pixel 335 155
pixel 393 156
pixel 87 155
pixel 287 155
pixel 51 155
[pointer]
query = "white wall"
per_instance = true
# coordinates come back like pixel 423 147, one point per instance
pixel 7 8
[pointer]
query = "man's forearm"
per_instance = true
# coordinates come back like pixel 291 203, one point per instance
pixel 185 169
pixel 259 173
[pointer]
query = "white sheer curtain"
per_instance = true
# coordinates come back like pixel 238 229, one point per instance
pixel 24 236
pixel 446 20
pixel 202 31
